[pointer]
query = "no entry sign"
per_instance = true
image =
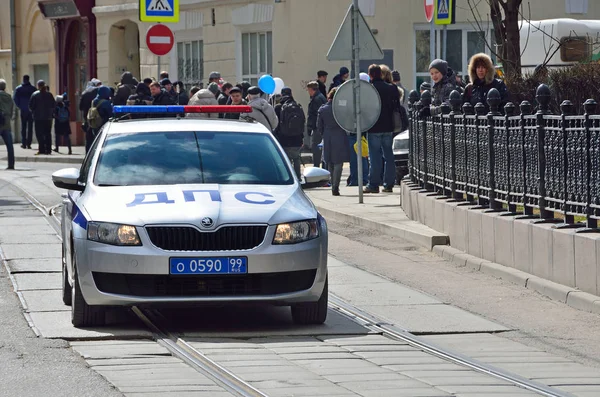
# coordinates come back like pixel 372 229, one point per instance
pixel 429 8
pixel 160 40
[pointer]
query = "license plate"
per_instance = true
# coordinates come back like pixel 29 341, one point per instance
pixel 212 265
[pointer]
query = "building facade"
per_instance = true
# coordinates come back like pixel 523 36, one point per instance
pixel 242 39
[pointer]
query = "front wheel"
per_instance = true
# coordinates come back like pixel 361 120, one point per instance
pixel 82 314
pixel 312 312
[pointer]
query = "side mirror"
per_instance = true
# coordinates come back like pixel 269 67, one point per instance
pixel 67 178
pixel 314 177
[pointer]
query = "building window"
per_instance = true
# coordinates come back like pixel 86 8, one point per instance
pixel 463 43
pixel 257 56
pixel 190 62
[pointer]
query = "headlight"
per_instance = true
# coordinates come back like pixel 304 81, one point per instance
pixel 296 232
pixel 112 233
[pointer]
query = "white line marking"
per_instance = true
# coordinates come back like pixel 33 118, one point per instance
pixel 160 40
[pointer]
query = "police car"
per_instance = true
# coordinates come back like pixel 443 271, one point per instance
pixel 178 211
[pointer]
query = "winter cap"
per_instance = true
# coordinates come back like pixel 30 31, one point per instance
pixel 164 82
pixel 313 84
pixel 214 75
pixel 395 75
pixel 59 98
pixel 234 90
pixel 440 65
pixel 322 73
pixel 364 77
pixel 96 82
pixel 213 87
pixel 41 83
pixel 344 70
pixel 254 90
pixel 286 91
pixel 425 86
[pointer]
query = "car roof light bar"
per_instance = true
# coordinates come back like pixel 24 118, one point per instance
pixel 158 109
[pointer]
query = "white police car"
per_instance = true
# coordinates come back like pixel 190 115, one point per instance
pixel 183 211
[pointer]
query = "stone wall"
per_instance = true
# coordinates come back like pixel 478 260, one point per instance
pixel 541 249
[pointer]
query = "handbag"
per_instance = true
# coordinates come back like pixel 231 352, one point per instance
pixel 364 147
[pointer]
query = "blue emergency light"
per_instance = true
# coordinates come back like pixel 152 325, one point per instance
pixel 179 109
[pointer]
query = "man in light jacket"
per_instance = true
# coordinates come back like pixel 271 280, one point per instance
pixel 262 111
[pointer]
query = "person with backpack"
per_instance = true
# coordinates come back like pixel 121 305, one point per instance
pixel 316 101
pixel 62 126
pixel 290 131
pixel 6 113
pixel 85 103
pixel 100 111
pixel 336 146
pixel 262 111
pixel 41 105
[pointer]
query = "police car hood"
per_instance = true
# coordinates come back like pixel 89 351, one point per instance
pixel 190 204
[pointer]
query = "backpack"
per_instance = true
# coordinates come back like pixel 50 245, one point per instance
pixel 63 114
pixel 293 119
pixel 94 118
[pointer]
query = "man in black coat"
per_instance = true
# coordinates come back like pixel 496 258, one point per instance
pixel 316 101
pixel 125 89
pixel 322 79
pixel 380 136
pixel 21 98
pixel 42 105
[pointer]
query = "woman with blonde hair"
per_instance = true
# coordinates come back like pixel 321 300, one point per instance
pixel 386 74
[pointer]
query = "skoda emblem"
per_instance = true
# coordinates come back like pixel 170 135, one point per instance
pixel 206 222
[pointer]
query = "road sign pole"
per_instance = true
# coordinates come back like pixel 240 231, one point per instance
pixel 158 67
pixel 356 66
pixel 431 41
pixel 445 43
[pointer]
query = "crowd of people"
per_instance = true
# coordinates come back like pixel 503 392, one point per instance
pixel 331 146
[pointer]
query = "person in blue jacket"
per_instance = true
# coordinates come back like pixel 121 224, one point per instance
pixel 104 106
pixel 21 97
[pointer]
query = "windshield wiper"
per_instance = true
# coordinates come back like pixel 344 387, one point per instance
pixel 107 185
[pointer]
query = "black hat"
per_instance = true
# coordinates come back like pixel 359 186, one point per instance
pixel 254 90
pixel 344 70
pixel 164 82
pixel 235 89
pixel 395 75
pixel 322 73
pixel 286 91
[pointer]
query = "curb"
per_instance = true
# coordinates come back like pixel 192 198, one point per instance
pixel 413 232
pixel 571 296
pixel 36 159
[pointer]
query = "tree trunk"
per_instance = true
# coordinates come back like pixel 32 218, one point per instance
pixel 505 18
pixel 513 40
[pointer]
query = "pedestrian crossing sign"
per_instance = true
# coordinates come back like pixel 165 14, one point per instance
pixel 444 12
pixel 159 11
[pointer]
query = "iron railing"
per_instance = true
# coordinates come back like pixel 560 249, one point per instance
pixel 535 165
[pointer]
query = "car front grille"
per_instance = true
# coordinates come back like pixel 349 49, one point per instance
pixel 204 285
pixel 227 238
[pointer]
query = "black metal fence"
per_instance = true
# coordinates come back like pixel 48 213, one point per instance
pixel 537 165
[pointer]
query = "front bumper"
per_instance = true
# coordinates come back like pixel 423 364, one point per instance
pixel 124 276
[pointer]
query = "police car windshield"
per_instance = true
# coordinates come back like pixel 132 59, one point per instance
pixel 187 157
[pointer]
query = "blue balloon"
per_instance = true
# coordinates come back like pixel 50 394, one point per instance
pixel 267 84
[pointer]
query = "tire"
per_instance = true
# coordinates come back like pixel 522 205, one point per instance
pixel 66 287
pixel 312 312
pixel 82 314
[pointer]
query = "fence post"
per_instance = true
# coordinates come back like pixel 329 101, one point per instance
pixel 413 98
pixel 479 111
pixel 425 102
pixel 445 108
pixel 455 101
pixel 468 110
pixel 590 108
pixel 509 111
pixel 526 109
pixel 493 100
pixel 543 98
pixel 567 109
